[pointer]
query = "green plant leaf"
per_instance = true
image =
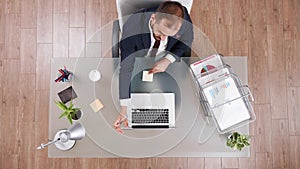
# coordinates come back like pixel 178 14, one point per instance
pixel 70 119
pixel 69 111
pixel 71 103
pixel 72 114
pixel 235 147
pixel 63 114
pixel 71 106
pixel 61 105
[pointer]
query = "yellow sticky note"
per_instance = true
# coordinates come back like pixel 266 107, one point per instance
pixel 147 77
pixel 96 105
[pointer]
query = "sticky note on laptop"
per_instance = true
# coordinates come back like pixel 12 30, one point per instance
pixel 147 77
pixel 96 105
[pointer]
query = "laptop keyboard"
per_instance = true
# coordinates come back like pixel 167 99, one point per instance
pixel 146 116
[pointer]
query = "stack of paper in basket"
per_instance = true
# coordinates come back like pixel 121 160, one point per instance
pixel 220 90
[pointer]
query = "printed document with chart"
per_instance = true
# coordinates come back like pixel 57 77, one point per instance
pixel 227 103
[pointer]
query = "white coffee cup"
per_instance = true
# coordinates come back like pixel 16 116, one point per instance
pixel 94 75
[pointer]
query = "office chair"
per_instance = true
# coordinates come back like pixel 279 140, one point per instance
pixel 126 8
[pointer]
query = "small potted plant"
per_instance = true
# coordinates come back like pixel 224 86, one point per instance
pixel 237 141
pixel 69 111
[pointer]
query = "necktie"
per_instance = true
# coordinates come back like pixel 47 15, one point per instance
pixel 155 48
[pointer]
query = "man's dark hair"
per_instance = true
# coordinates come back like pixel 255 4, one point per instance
pixel 171 11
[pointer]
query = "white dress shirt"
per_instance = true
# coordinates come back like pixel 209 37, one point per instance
pixel 161 49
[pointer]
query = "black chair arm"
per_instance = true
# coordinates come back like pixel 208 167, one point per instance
pixel 115 39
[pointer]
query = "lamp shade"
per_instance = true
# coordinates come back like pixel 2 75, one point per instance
pixel 77 131
pixel 65 139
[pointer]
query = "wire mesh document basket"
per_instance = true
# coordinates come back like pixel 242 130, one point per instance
pixel 225 100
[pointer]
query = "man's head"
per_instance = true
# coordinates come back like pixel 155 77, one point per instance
pixel 167 19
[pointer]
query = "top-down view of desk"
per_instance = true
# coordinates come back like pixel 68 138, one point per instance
pixel 192 136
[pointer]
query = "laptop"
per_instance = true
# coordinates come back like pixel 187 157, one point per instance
pixel 151 110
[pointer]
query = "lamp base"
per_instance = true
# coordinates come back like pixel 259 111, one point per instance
pixel 63 145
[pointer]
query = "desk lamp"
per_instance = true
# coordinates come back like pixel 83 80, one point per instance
pixel 65 139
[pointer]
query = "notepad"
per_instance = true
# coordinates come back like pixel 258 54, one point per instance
pixel 147 77
pixel 96 105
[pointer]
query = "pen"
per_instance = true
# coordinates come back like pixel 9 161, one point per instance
pixel 59 78
pixel 61 71
pixel 121 121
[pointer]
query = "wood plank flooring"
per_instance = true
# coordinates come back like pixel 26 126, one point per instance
pixel 34 31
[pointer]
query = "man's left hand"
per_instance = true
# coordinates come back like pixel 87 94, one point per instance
pixel 160 66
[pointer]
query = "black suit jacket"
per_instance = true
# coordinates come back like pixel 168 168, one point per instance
pixel 136 39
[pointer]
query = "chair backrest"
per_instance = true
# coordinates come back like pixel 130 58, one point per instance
pixel 127 7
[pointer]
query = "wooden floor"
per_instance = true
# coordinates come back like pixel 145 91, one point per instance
pixel 33 31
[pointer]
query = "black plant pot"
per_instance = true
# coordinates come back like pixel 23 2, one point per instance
pixel 78 115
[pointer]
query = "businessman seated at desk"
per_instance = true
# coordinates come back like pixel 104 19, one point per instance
pixel 166 30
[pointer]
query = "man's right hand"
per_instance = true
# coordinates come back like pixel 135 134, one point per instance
pixel 160 66
pixel 122 118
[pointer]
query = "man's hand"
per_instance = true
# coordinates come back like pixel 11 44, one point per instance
pixel 122 118
pixel 160 66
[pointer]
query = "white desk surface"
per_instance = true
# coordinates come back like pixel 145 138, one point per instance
pixel 192 137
